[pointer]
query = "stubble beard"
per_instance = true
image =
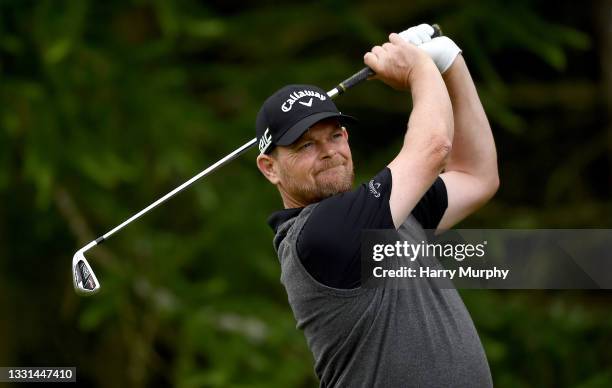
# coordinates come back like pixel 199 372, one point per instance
pixel 324 187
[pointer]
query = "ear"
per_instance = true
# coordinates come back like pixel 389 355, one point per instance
pixel 345 133
pixel 267 165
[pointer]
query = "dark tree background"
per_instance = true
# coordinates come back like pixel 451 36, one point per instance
pixel 107 105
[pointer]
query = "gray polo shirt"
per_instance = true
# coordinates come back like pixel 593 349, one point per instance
pixel 381 337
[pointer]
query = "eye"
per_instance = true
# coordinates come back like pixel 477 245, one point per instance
pixel 305 145
pixel 337 135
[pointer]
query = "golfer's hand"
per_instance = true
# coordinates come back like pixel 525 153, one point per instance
pixel 396 62
pixel 442 49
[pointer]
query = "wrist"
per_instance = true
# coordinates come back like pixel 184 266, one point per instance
pixel 423 69
pixel 458 66
pixel 442 50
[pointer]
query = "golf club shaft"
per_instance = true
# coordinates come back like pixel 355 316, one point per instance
pixel 342 87
pixel 219 163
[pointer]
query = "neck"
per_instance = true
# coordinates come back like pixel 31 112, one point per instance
pixel 290 201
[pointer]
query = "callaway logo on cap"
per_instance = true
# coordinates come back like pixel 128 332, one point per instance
pixel 289 112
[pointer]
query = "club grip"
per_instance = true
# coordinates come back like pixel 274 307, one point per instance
pixel 366 72
pixel 353 80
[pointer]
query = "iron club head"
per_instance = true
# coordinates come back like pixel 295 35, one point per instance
pixel 83 277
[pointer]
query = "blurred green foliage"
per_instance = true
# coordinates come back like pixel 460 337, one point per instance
pixel 104 106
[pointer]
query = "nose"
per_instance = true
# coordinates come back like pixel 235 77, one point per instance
pixel 328 150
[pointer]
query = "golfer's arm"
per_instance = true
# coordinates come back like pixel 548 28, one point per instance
pixel 470 175
pixel 426 144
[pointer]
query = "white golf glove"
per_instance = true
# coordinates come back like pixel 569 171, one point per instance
pixel 442 49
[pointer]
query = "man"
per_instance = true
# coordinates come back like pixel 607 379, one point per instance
pixel 446 169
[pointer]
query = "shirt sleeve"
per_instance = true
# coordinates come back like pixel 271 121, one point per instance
pixel 431 207
pixel 329 244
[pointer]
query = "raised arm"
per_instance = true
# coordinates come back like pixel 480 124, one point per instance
pixel 471 176
pixel 429 135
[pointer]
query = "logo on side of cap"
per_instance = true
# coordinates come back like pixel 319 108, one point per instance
pixel 295 96
pixel 265 141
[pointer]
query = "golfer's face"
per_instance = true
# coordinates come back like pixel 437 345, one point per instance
pixel 319 163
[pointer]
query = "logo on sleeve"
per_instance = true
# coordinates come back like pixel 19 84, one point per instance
pixel 374 186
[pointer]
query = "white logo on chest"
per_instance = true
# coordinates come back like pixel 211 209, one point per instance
pixel 374 188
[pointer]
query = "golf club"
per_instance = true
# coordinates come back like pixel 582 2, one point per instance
pixel 84 279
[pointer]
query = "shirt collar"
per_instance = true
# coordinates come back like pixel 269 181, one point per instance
pixel 277 218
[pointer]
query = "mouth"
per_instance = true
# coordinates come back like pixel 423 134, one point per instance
pixel 330 168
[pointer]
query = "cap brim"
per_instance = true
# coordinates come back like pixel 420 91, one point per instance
pixel 302 126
